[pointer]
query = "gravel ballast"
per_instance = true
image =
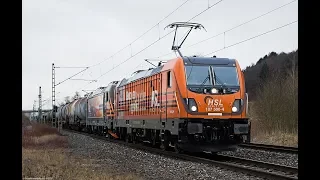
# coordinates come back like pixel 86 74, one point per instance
pixel 121 159
pixel 280 158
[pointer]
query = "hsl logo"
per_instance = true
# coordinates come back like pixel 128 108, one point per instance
pixel 212 102
pixel 208 100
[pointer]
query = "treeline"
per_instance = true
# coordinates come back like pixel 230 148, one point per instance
pixel 67 99
pixel 272 85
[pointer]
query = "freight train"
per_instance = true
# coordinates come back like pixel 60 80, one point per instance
pixel 193 104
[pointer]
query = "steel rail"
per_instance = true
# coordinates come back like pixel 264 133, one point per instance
pixel 227 162
pixel 266 147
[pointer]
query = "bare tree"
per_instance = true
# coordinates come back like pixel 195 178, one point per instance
pixel 76 96
pixel 276 106
pixel 61 103
pixel 67 99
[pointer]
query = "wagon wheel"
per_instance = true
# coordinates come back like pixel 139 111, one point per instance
pixel 164 144
pixel 134 139
pixel 177 149
pixel 154 142
pixel 128 138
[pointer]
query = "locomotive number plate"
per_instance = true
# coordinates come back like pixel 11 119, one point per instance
pixel 215 109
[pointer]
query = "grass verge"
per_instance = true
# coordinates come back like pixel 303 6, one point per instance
pixel 45 154
pixel 58 164
pixel 272 137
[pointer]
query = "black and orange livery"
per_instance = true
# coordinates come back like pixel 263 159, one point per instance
pixel 192 103
pixel 188 103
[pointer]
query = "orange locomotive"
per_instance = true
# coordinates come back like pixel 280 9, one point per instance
pixel 189 103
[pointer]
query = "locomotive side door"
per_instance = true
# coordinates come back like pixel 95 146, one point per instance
pixel 162 110
pixel 166 91
pixel 163 104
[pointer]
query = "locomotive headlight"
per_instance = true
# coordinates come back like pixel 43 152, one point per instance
pixel 237 105
pixel 214 91
pixel 192 104
pixel 234 109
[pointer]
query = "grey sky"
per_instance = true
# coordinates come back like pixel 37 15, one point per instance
pixel 86 32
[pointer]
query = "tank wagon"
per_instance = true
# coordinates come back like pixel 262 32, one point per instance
pixel 189 103
pixel 71 114
pixel 80 113
pixel 64 112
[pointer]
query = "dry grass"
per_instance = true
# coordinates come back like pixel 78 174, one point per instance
pixel 273 138
pixel 45 154
pixel 274 113
pixel 276 106
pixel 39 130
pixel 42 136
pixel 58 164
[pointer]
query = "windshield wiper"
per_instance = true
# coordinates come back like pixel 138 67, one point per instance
pixel 216 78
pixel 204 81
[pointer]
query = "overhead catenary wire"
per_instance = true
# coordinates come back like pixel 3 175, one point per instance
pixel 136 68
pixel 130 44
pixel 70 67
pixel 209 7
pixel 72 76
pixel 134 55
pixel 156 41
pixel 258 17
pixel 199 15
pixel 234 27
pixel 227 46
pixel 82 80
pixel 240 42
pixel 215 36
pixel 114 67
pixel 68 77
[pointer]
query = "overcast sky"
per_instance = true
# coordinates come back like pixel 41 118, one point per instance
pixel 81 33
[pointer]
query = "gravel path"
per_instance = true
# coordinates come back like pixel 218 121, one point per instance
pixel 266 156
pixel 122 160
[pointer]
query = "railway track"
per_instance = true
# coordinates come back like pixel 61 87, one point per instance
pixel 251 167
pixel 285 149
pixel 280 171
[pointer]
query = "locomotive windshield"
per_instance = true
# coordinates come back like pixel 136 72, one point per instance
pixel 219 75
pixel 198 75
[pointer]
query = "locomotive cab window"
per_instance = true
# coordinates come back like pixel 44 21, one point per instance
pixel 169 79
pixel 202 75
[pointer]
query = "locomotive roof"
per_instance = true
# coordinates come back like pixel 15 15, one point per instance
pixel 194 60
pixel 141 74
pixel 208 61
